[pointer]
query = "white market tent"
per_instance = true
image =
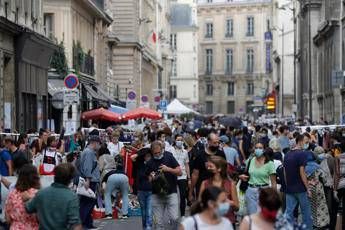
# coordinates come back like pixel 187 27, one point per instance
pixel 176 107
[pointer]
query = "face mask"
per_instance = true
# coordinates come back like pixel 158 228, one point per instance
pixel 179 144
pixel 223 209
pixel 269 215
pixel 213 148
pixel 343 134
pixel 136 138
pixel 98 146
pixel 306 146
pixel 158 157
pixel 162 139
pixel 209 126
pixel 259 152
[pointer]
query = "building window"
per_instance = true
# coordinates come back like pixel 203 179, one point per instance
pixel 209 89
pixel 229 28
pixel 250 88
pixel 173 41
pixel 209 1
pixel 209 107
pixel 268 25
pixel 228 61
pixel 174 67
pixel 209 61
pixel 173 91
pixel 249 106
pixel 250 26
pixel 48 25
pixel 231 107
pixel 209 30
pixel 231 88
pixel 250 61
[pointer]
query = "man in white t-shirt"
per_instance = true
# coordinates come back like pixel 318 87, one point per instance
pixel 115 146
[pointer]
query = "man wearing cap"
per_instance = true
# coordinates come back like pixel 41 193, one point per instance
pixel 231 154
pixel 90 171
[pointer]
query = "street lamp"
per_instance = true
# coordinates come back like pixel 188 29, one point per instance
pixel 285 8
pixel 281 84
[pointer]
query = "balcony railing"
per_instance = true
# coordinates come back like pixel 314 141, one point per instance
pixel 83 62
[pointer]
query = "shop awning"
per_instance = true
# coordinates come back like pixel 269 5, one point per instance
pixel 142 113
pixel 55 86
pixel 101 114
pixel 94 94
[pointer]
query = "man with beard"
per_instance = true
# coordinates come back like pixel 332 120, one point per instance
pixel 200 172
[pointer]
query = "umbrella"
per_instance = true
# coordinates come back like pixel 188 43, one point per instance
pixel 234 122
pixel 101 114
pixel 142 113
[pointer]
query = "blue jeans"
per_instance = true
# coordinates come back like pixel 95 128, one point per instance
pixel 146 208
pixel 292 199
pixel 252 200
pixel 115 183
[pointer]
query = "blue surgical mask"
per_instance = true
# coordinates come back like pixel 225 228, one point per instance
pixel 158 157
pixel 259 152
pixel 179 144
pixel 306 146
pixel 223 209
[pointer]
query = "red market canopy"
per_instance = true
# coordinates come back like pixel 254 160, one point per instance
pixel 142 113
pixel 101 114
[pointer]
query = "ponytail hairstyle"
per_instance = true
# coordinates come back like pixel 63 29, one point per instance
pixel 209 194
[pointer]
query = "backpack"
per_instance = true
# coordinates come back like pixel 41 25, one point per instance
pixel 160 185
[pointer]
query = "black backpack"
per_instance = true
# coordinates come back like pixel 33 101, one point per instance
pixel 160 185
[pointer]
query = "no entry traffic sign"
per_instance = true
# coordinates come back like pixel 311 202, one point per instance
pixel 71 81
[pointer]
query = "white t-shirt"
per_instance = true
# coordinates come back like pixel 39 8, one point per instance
pixel 114 149
pixel 181 157
pixel 189 224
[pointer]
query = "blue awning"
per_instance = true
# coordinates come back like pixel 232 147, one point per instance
pixel 117 109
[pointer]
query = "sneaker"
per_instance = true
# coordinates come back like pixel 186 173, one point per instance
pixel 108 217
pixel 124 217
pixel 92 228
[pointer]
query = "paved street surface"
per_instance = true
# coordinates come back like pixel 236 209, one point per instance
pixel 132 223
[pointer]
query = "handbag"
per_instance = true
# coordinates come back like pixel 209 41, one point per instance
pixel 82 191
pixel 244 184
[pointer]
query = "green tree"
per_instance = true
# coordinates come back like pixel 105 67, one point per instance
pixel 59 60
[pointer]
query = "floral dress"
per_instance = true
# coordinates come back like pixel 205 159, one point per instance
pixel 15 211
pixel 318 203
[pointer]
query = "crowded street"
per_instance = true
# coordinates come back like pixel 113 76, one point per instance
pixel 172 114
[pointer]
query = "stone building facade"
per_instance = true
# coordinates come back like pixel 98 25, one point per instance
pixel 234 58
pixel 184 83
pixel 323 49
pixel 24 63
pixel 140 60
pixel 82 28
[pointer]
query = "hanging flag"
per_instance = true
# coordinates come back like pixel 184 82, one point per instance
pixel 154 37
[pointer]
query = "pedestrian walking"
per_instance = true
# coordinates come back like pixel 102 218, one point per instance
pixel 208 212
pixel 218 168
pixel 89 170
pixel 56 206
pixel 270 203
pixel 262 173
pixel 16 216
pixel 181 156
pixel 297 189
pixel 163 170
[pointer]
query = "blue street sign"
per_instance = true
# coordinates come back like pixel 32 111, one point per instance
pixel 163 104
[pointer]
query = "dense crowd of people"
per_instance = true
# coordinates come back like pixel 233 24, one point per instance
pixel 214 177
